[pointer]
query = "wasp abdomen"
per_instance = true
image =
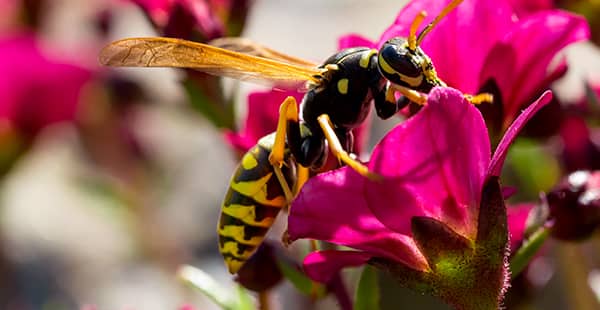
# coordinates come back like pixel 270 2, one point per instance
pixel 251 204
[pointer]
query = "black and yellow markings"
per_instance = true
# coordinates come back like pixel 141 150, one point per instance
pixel 342 86
pixel 365 59
pixel 251 204
pixel 412 81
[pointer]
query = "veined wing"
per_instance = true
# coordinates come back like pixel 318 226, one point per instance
pixel 249 47
pixel 169 52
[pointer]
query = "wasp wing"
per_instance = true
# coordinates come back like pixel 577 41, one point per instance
pixel 169 52
pixel 249 47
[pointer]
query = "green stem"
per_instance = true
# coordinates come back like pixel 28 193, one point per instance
pixel 528 250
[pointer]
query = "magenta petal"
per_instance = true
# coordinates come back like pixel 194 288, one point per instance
pixel 261 119
pixel 460 43
pixel 435 164
pixel 354 40
pixel 400 26
pixel 35 90
pixel 544 34
pixel 527 7
pixel 513 130
pixel 517 220
pixel 332 207
pixel 322 266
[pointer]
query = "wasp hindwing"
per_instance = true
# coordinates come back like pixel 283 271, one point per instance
pixel 251 203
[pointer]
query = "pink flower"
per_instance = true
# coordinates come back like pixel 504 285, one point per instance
pixel 527 7
pixel 36 90
pixel 435 165
pixel 261 119
pixel 483 46
pixel 177 18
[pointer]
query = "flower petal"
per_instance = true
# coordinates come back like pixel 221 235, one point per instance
pixel 513 130
pixel 322 266
pixel 517 220
pixel 354 40
pixel 527 7
pixel 434 164
pixel 332 207
pixel 36 91
pixel 261 119
pixel 544 34
pixel 459 44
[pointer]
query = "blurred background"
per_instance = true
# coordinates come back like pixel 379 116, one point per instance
pixel 113 178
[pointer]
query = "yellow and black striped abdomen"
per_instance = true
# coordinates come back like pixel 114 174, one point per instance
pixel 251 204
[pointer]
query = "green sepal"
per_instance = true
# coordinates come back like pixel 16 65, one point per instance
pixel 466 274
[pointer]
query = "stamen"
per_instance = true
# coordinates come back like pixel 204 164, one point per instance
pixel 412 36
pixel 437 19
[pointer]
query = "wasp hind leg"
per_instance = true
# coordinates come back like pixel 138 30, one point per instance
pixel 287 111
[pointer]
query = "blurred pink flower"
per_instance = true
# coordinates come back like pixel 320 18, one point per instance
pixel 435 166
pixel 517 220
pixel 9 15
pixel 178 18
pixel 484 46
pixel 36 90
pixel 261 118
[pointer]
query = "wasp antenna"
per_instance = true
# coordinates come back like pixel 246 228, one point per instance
pixel 453 4
pixel 412 36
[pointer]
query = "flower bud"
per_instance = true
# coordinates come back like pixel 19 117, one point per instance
pixel 261 272
pixel 575 206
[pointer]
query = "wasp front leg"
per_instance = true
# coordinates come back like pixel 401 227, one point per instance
pixel 386 104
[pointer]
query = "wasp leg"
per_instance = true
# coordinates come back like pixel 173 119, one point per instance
pixel 412 95
pixel 340 153
pixel 480 98
pixel 302 175
pixel 288 111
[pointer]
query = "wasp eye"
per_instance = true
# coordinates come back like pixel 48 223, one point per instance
pixel 397 59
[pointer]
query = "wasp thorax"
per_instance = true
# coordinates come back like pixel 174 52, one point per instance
pixel 402 65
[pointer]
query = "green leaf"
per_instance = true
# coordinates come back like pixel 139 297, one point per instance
pixel 208 286
pixel 367 292
pixel 219 113
pixel 245 301
pixel 528 250
pixel 300 281
pixel 533 169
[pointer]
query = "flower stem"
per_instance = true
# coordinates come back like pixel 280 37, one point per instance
pixel 263 300
pixel 529 248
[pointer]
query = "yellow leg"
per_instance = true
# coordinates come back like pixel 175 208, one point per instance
pixel 287 111
pixel 411 94
pixel 480 98
pixel 339 152
pixel 302 175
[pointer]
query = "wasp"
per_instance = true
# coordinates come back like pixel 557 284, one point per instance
pixel 338 98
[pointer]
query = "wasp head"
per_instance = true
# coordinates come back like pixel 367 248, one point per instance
pixel 407 67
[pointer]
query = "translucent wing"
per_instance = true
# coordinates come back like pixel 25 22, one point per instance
pixel 250 47
pixel 168 52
